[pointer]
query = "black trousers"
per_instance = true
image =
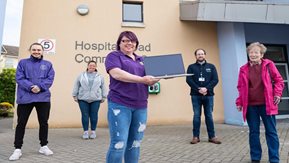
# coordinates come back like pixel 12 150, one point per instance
pixel 23 113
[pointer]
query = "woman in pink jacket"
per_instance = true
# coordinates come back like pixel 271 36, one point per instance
pixel 260 87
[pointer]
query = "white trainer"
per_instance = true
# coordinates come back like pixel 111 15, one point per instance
pixel 16 155
pixel 92 135
pixel 85 135
pixel 45 150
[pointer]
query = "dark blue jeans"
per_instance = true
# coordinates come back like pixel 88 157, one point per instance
pixel 208 103
pixel 89 111
pixel 253 118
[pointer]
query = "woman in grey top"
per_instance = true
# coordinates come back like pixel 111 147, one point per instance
pixel 89 91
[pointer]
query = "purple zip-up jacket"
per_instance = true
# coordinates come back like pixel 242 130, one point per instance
pixel 33 71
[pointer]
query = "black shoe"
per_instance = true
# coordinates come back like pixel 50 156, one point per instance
pixel 255 161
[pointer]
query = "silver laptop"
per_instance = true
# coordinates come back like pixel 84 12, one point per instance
pixel 165 66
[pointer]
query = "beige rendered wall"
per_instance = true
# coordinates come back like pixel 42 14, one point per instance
pixel 164 33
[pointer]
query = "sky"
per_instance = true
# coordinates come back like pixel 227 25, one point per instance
pixel 12 23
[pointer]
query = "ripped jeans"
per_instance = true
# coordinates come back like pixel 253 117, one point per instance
pixel 126 127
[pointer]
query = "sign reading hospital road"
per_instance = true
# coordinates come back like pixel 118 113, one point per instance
pixel 48 45
pixel 97 51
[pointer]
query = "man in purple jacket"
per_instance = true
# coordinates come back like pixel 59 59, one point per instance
pixel 34 77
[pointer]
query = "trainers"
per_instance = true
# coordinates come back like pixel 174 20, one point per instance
pixel 45 150
pixel 16 155
pixel 92 135
pixel 195 140
pixel 85 135
pixel 215 140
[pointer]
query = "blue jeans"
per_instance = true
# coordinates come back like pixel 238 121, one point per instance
pixel 208 103
pixel 89 111
pixel 126 128
pixel 253 118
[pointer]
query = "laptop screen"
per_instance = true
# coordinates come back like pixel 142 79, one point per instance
pixel 162 65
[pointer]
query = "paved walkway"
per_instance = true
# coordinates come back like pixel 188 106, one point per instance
pixel 162 144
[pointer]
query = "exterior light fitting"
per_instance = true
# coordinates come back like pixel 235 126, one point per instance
pixel 82 9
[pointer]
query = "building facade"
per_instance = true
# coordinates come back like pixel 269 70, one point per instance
pixel 238 24
pixel 74 32
pixel 9 57
pixel 2 18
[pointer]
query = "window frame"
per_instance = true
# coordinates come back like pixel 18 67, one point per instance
pixel 132 3
pixel 278 46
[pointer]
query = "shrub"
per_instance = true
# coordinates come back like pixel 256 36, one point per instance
pixel 7 85
pixel 6 109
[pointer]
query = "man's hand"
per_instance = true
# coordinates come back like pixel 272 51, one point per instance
pixel 203 91
pixel 35 89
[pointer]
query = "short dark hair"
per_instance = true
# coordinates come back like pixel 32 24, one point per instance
pixel 130 35
pixel 200 49
pixel 36 43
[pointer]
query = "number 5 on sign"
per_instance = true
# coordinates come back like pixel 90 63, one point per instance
pixel 48 45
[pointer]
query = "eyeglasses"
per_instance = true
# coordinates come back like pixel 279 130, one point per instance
pixel 127 41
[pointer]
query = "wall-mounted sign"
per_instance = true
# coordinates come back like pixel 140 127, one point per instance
pixel 97 51
pixel 48 45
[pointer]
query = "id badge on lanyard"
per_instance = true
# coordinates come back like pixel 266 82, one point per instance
pixel 201 79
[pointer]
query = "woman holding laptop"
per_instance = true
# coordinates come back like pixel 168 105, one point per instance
pixel 127 99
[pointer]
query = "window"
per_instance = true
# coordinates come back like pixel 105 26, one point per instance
pixel 132 12
pixel 276 53
pixel 9 63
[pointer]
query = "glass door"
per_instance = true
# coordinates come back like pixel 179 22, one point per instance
pixel 284 104
pixel 278 54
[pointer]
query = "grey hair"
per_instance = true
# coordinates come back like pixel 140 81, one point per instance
pixel 261 46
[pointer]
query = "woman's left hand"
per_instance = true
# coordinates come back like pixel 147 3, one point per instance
pixel 277 100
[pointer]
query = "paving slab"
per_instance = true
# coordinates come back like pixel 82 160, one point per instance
pixel 161 144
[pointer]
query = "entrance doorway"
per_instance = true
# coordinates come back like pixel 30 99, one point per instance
pixel 278 54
